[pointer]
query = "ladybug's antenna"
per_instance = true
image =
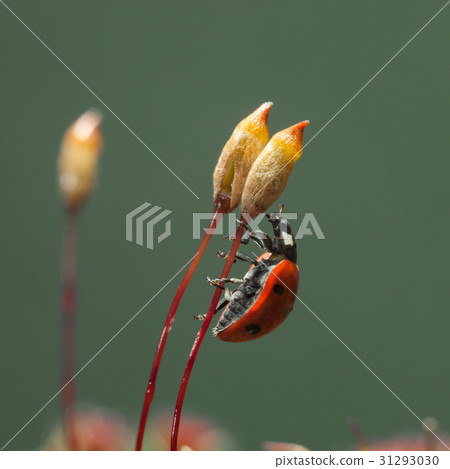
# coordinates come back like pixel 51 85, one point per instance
pixel 363 444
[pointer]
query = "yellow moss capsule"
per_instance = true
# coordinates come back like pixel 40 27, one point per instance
pixel 271 170
pixel 245 144
pixel 78 159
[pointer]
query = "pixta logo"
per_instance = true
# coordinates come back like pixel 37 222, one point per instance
pixel 309 226
pixel 141 223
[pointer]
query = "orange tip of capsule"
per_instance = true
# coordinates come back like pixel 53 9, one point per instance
pixel 289 142
pixel 86 129
pixel 256 122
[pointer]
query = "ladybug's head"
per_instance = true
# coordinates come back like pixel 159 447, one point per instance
pixel 284 241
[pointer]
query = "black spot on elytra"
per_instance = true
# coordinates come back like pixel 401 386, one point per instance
pixel 278 289
pixel 253 329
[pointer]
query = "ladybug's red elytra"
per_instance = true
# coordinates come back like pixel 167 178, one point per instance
pixel 267 293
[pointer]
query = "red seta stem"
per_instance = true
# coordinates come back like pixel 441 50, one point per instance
pixel 199 339
pixel 68 325
pixel 221 207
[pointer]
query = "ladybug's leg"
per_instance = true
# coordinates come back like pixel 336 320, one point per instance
pixel 222 303
pixel 214 284
pixel 228 294
pixel 243 257
pixel 244 239
pixel 218 281
pixel 262 239
pixel 240 256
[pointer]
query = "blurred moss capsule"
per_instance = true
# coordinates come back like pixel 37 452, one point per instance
pixel 78 159
pixel 197 433
pixel 278 446
pixel 270 172
pixel 245 144
pixel 97 430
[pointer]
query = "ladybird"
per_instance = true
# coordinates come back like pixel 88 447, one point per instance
pixel 266 294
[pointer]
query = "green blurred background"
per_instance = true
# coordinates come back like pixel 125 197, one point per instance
pixel 181 75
